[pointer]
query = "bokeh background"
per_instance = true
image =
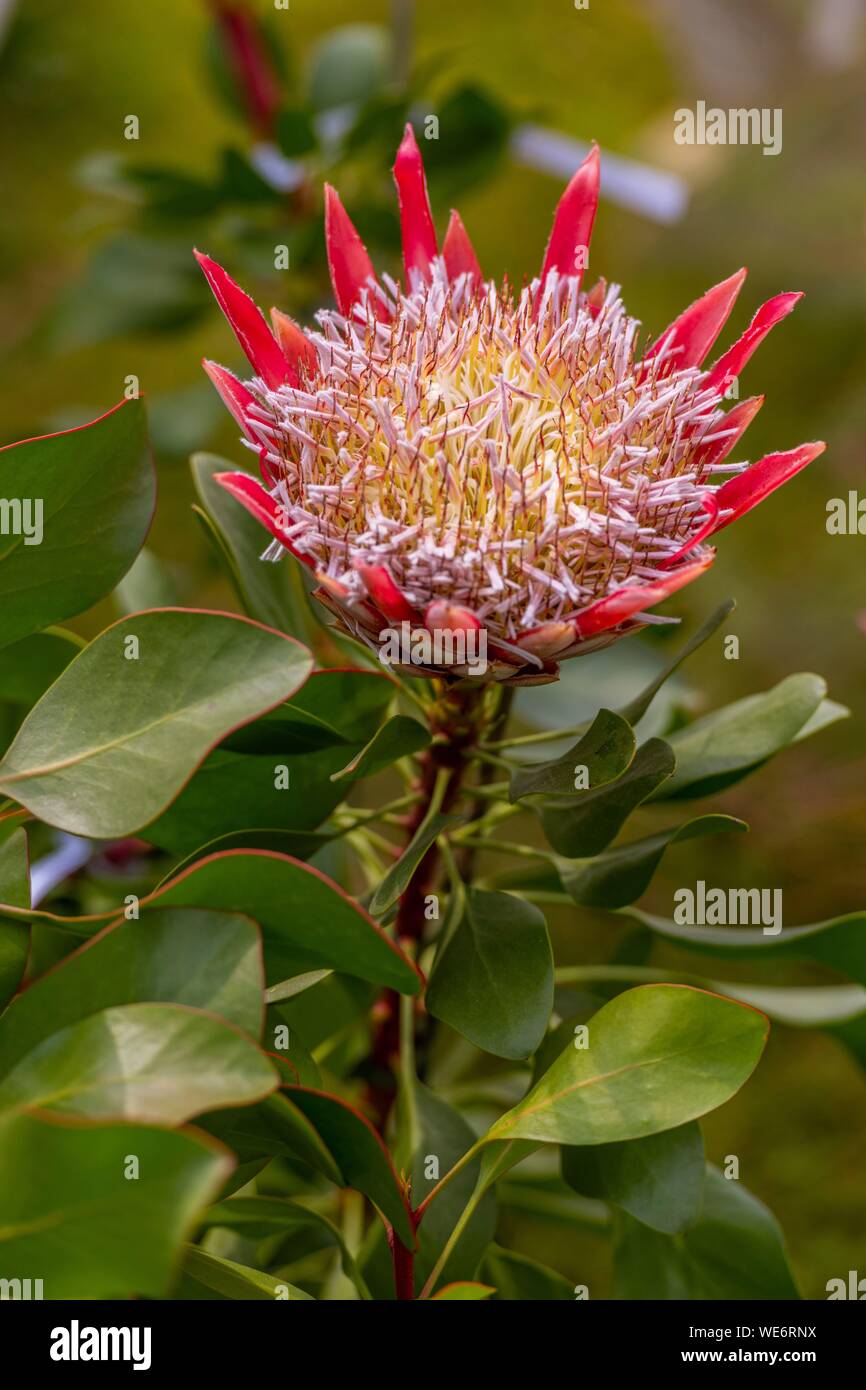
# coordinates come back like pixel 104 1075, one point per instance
pixel 97 285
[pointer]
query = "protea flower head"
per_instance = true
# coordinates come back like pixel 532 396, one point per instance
pixel 454 456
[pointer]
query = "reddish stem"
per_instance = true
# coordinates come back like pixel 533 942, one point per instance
pixel 403 1261
pixel 456 722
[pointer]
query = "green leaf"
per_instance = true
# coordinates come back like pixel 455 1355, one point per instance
pixel 274 594
pixel 34 663
pixel 493 981
pixel 259 1217
pixel 143 725
pixel 332 707
pixel 622 874
pixel 398 738
pixel 237 1281
pixel 658 1056
pixel 204 959
pixel 14 936
pixel 517 1278
pixel 728 744
pixel 307 922
pixel 232 792
pixel 273 1128
pixel 734 1251
pixel 397 879
pixel 146 1063
pixel 297 844
pixel 290 901
pixel 111 1208
pixel 358 1152
pixel 605 750
pixel 283 1040
pixel 658 1180
pixel 97 491
pixel 463 1293
pixel 635 710
pixel 839 942
pixel 584 824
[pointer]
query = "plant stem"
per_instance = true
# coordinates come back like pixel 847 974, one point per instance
pixel 465 1217
pixel 456 720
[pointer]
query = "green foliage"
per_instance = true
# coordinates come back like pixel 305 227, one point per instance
pixel 95 491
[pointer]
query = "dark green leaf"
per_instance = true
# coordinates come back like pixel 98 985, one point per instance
pixel 622 874
pixel 659 1179
pixel 396 739
pixel 438 1136
pixel 258 1217
pixel 584 824
pixel 232 792
pixel 723 747
pixel 734 1251
pixel 493 981
pixel 97 491
pixel 399 876
pixel 332 707
pixel 273 1128
pixel 605 751
pixel 143 723
pixel 307 922
pixel 517 1278
pixel 358 1152
pixel 31 665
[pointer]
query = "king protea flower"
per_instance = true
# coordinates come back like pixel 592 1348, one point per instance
pixel 453 455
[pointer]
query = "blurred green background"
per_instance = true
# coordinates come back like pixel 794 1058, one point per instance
pixel 616 72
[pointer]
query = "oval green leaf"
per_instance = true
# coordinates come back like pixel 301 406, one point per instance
pixel 658 1056
pixel 151 696
pixel 145 1063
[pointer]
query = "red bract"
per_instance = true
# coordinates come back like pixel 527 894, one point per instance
pixel 451 457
